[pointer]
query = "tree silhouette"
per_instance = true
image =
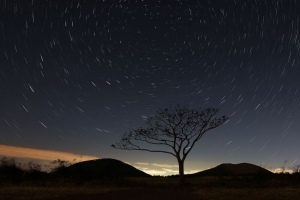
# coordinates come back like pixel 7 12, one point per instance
pixel 174 130
pixel 296 169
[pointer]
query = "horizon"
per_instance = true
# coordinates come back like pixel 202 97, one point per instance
pixel 25 155
pixel 76 75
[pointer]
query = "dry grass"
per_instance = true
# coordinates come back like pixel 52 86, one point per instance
pixel 249 194
pixel 153 188
pixel 38 193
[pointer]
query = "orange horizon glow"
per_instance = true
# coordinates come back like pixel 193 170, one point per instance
pixel 44 155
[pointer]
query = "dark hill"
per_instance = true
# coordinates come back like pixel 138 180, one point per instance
pixel 101 168
pixel 232 170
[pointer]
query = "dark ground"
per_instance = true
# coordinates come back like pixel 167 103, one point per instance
pixel 166 193
pixel 187 194
pixel 141 193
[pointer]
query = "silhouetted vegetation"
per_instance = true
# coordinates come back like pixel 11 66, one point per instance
pixel 9 172
pixel 111 172
pixel 178 128
pixel 101 171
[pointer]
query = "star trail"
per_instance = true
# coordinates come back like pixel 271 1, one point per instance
pixel 75 75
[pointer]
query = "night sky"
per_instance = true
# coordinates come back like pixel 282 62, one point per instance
pixel 76 75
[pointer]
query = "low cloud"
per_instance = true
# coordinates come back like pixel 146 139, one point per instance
pixel 174 171
pixel 161 169
pixel 141 168
pixel 155 172
pixel 279 170
pixel 144 168
pixel 141 163
pixel 43 155
pixel 170 170
pixel 192 171
pixel 164 165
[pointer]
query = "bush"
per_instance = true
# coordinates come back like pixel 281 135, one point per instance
pixel 10 172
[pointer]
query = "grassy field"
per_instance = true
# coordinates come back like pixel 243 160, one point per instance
pixel 41 193
pixel 249 194
pixel 153 188
pixel 37 193
pixel 105 182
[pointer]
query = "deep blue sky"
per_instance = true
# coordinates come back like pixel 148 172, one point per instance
pixel 75 75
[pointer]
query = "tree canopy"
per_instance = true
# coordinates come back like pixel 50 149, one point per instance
pixel 177 127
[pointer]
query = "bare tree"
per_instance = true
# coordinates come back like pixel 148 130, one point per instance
pixel 296 169
pixel 283 167
pixel 175 131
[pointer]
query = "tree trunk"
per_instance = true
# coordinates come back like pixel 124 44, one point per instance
pixel 181 171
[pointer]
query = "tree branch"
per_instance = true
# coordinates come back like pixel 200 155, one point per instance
pixel 179 128
pixel 140 149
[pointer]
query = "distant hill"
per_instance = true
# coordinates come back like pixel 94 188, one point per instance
pixel 101 168
pixel 232 170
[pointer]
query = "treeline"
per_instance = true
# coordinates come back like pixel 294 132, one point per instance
pixel 12 173
pixel 31 174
